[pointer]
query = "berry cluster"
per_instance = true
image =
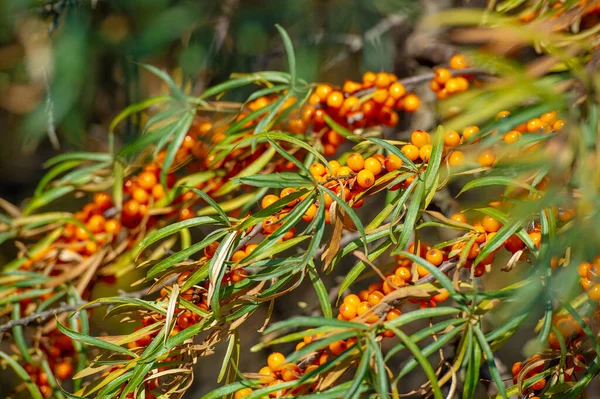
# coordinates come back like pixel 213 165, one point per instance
pixel 446 83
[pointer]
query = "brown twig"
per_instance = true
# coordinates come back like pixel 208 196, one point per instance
pixel 38 318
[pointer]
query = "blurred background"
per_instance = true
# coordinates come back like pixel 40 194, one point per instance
pixel 67 68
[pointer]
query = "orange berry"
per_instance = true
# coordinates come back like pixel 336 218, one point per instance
pixel 350 87
pixel 186 213
pixel 502 114
pixel 352 299
pixel 102 201
pixel 411 151
pixel 380 96
pixel 457 158
pixel 348 311
pixel 442 296
pixel 420 138
pixel 242 393
pixel 375 297
pixel 323 91
pixel 458 61
pixel 146 180
pixel 422 271
pixel 112 226
pixel 238 256
pixel 397 90
pixel 434 256
pixel 268 200
pixel 382 80
pixel 335 99
pixel 365 178
pixel 310 213
pixel 559 124
pixel 335 167
pixel 442 75
pixel 512 137
pixel 459 217
pixel 392 163
pixel 490 224
pixel 356 162
pixel 140 195
pixel 451 138
pixel 533 125
pixel 372 164
pixel 539 384
pixel 393 314
pixel 275 361
pixel 411 102
pixel 158 191
pixel 549 117
pixel 317 169
pixel 584 268
pixel 96 223
pixel 403 273
pixel 63 370
pixel 131 208
pixel 425 152
pixel 594 293
pixel 290 372
pixel 368 79
pixel 536 237
pixel 345 171
pixel 470 132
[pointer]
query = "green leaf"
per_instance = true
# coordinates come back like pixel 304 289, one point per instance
pixel 172 229
pixel 22 373
pixel 350 212
pixel 135 108
pixel 234 342
pixel 216 270
pixel 79 156
pixel 435 160
pixel 496 377
pixel 359 376
pixel 296 322
pixel 254 168
pixel 357 269
pixel 175 90
pixel 289 49
pixel 93 341
pixel 212 203
pixel 394 150
pixel 47 197
pixel 422 359
pixel 473 366
pixel 17 332
pixel 54 172
pixel 411 215
pixel 497 240
pixel 321 290
pixel 185 254
pixel 495 181
pixel 274 180
pixel 179 132
pixel 380 373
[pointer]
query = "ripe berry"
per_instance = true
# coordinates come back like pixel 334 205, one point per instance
pixel 335 167
pixel 434 256
pixel 459 217
pixel 323 92
pixel 425 152
pixel 186 213
pixel 512 137
pixel 140 195
pixel 539 384
pixel 411 102
pixel 365 178
pixel 516 368
pixel 96 223
pixel 317 169
pixel 131 208
pixel 373 165
pixel 335 99
pixel 63 370
pixel 584 268
pixel 411 152
pixel 146 180
pixel 442 75
pixel 380 96
pixel 102 201
pixel 534 125
pixel 382 80
pixel 275 360
pixel 420 138
pixel 392 163
pixel 403 273
pixel 310 213
pixel 594 293
pixel 348 311
pixel 490 224
pixel 242 393
pixel 457 158
pixel 345 171
pixel 451 138
pixel 355 161
pixel 458 61
pixel 470 132
pixel 397 91
pixel 268 200
pixel 368 79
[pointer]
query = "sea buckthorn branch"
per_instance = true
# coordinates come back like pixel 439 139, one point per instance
pixel 322 192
